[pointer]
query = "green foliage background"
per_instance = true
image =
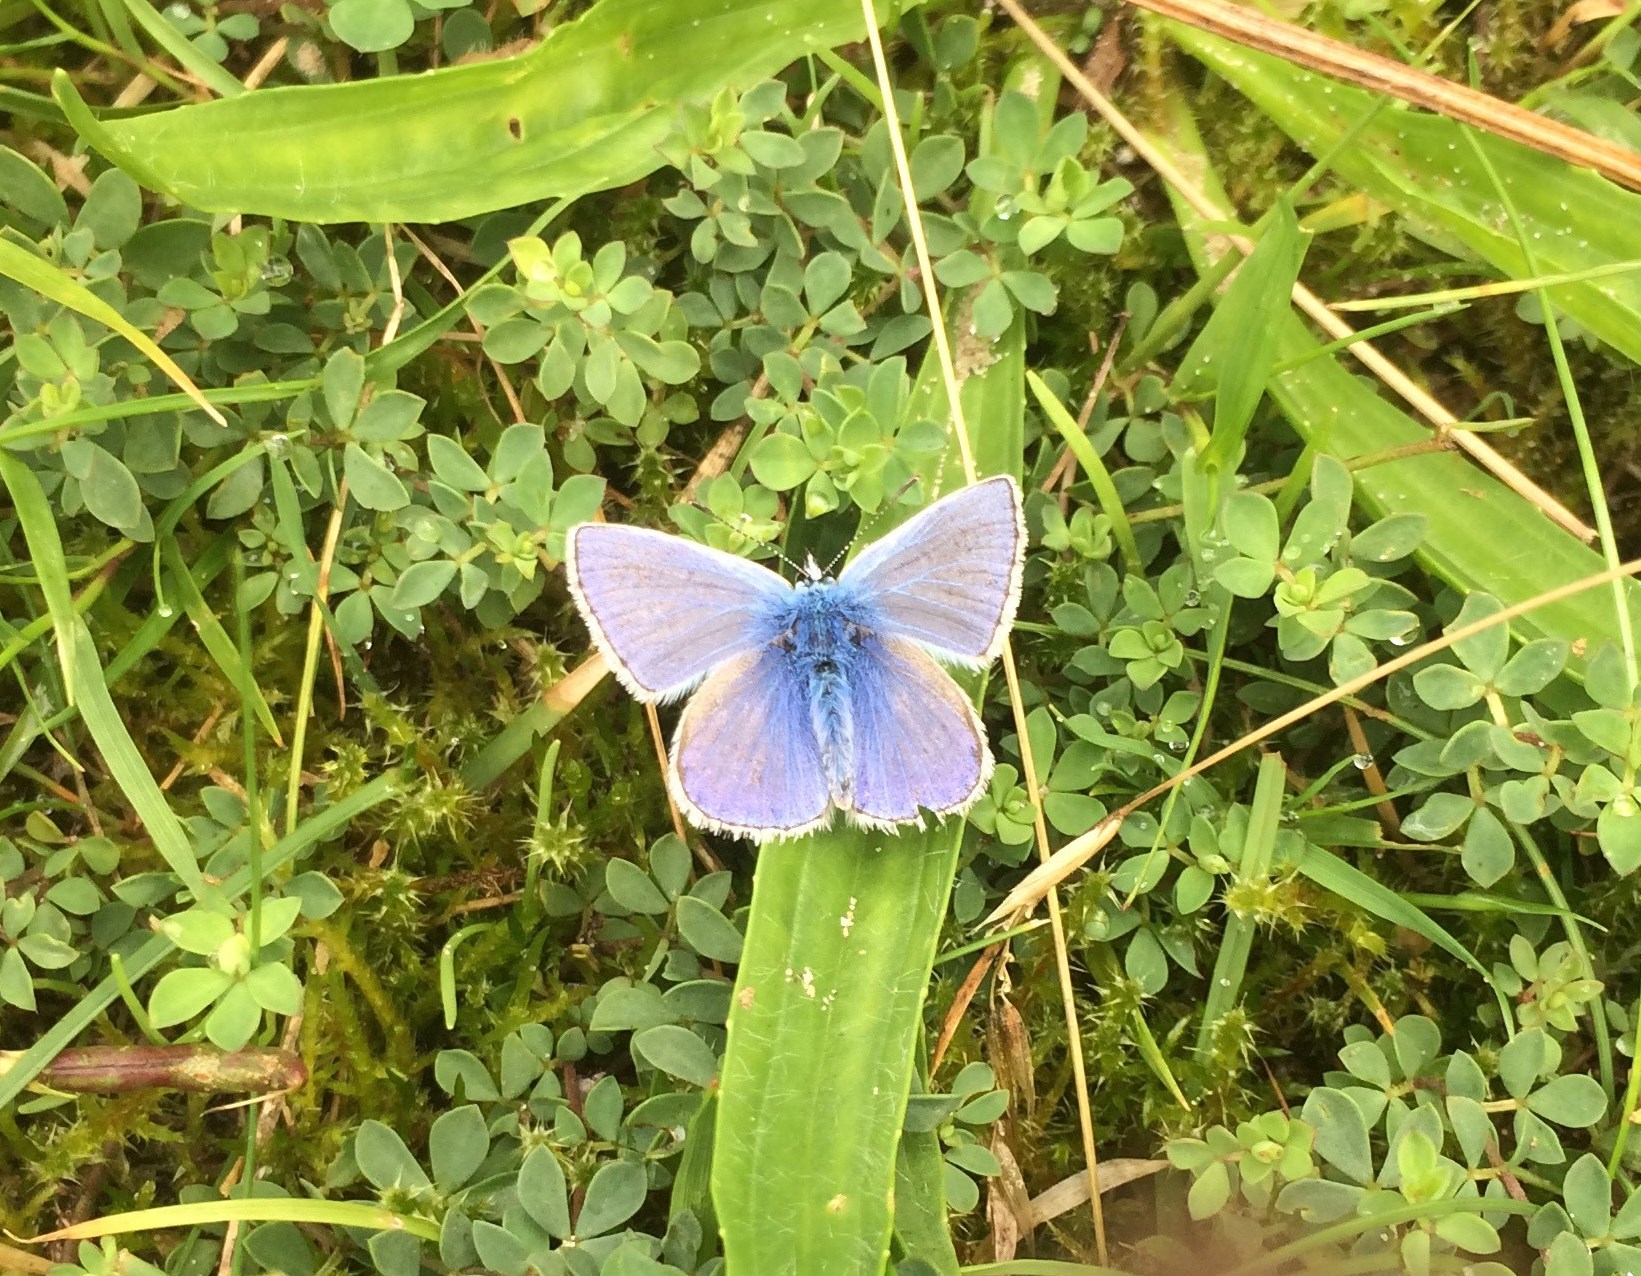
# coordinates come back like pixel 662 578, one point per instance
pixel 296 755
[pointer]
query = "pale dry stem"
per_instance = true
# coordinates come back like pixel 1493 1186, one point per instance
pixel 948 368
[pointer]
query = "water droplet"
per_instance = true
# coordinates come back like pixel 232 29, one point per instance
pixel 167 611
pixel 1398 641
pixel 1362 761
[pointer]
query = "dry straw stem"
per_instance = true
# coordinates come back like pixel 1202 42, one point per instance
pixel 1028 764
pixel 574 687
pixel 1074 854
pixel 1446 423
pixel 1254 30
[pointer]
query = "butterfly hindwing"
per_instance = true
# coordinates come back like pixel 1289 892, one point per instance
pixel 949 578
pixel 745 759
pixel 916 740
pixel 663 610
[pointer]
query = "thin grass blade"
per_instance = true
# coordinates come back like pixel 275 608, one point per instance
pixel 60 1035
pixel 1481 536
pixel 1418 164
pixel 53 282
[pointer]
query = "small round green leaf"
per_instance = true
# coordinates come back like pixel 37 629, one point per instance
pixel 708 931
pixel 457 1144
pixel 613 1196
pixel 371 483
pixel 421 583
pixel 372 26
pixel 678 1052
pixel 781 462
pixel 182 994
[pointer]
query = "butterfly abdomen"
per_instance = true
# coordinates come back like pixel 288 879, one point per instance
pixel 822 641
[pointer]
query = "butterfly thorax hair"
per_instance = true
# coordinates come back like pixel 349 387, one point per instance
pixel 823 632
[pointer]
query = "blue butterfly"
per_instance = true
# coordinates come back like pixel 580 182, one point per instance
pixel 820 697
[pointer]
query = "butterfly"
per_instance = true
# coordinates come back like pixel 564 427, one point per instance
pixel 821 697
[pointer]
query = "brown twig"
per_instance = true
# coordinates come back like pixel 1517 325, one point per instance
pixel 960 1004
pixel 1067 463
pixel 725 447
pixel 175 773
pixel 433 259
pixel 1371 775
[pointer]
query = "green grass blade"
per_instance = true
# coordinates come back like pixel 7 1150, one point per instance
pixel 1419 164
pixel 822 1035
pixel 584 110
pixel 83 674
pixel 212 635
pixel 61 1035
pixel 1258 850
pixel 1094 469
pixel 187 55
pixel 1481 536
pixel 126 765
pixel 360 1214
pixel 1233 355
pixel 39 526
pixel 52 282
pixel 1349 883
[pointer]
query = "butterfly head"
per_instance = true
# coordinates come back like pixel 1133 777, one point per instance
pixel 812 573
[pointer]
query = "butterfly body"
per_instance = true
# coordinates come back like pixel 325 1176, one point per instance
pixel 820 641
pixel 819 697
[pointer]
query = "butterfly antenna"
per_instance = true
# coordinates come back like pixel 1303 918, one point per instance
pixel 867 523
pixel 724 522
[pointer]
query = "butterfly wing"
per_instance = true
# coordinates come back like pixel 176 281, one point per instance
pixel 744 758
pixel 917 740
pixel 949 578
pixel 664 610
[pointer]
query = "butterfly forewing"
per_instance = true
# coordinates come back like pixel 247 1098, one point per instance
pixel 745 759
pixel 664 610
pixel 917 742
pixel 949 579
